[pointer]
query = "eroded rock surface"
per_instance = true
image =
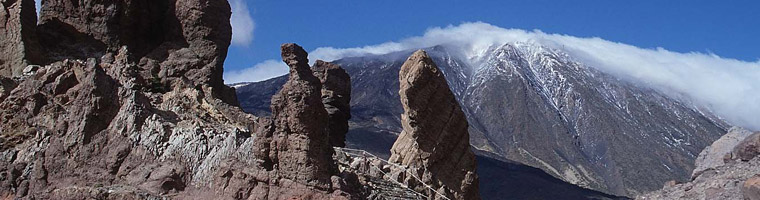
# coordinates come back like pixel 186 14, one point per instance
pixel 130 104
pixel 435 139
pixel 110 123
pixel 19 46
pixel 296 145
pixel 170 40
pixel 336 96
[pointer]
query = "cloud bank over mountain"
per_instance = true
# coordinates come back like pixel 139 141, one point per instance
pixel 728 87
pixel 261 71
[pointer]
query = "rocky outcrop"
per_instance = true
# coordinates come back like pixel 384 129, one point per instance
pixel 78 128
pixel 336 97
pixel 714 155
pixel 171 41
pixel 748 148
pixel 735 176
pixel 111 123
pixel 18 23
pixel 296 145
pixel 435 139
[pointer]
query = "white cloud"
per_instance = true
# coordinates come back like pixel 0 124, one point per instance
pixel 38 5
pixel 262 71
pixel 728 87
pixel 242 23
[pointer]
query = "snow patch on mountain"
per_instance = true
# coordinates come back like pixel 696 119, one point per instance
pixel 728 87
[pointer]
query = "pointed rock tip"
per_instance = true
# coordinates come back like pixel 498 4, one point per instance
pixel 419 54
pixel 418 61
pixel 294 55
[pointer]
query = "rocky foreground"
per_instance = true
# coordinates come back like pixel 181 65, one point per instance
pixel 728 169
pixel 125 100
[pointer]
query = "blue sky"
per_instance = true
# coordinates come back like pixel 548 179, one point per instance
pixel 707 52
pixel 726 29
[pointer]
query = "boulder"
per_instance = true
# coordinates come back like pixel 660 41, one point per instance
pixel 747 149
pixel 434 139
pixel 336 97
pixel 713 156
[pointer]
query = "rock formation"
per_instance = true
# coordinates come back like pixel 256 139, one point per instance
pixel 748 148
pixel 735 176
pixel 19 46
pixel 171 41
pixel 127 120
pixel 297 144
pixel 538 106
pixel 435 139
pixel 129 103
pixel 714 155
pixel 336 96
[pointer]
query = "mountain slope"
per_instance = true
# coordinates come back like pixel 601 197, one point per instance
pixel 540 107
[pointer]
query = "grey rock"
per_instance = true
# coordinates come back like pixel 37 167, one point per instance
pixel 713 156
pixel 723 182
pixel 30 70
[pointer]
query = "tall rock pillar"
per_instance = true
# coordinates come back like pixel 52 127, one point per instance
pixel 434 140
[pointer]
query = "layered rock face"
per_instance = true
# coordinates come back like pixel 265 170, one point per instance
pixel 19 47
pixel 336 96
pixel 435 139
pixel 735 176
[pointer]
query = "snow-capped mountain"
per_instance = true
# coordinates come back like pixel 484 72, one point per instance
pixel 537 106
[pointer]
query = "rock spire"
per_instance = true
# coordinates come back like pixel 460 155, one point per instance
pixel 434 139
